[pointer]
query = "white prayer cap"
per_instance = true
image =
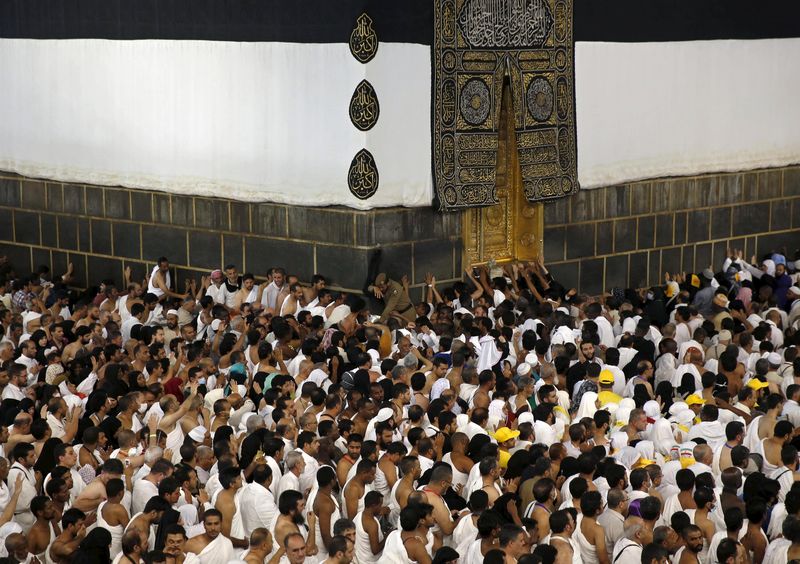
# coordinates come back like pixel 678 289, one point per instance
pixel 384 414
pixel 375 355
pixel 198 433
pixel 463 311
pixel 629 325
pixel 627 403
pixel 525 417
pixel 774 359
pixel 652 409
pixel 563 310
pixel 524 369
pixel 611 408
pixel 622 416
pixel 795 290
pixel 172 312
pixel 27 317
pixel 532 359
pixel 618 440
pixel 685 417
pixel 677 407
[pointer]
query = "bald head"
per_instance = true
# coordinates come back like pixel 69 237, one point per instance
pixel 17 544
pixel 704 454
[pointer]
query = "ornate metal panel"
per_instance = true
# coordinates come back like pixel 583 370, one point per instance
pixel 512 228
pixel 479 44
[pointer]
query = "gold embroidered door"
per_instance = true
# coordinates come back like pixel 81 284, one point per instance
pixel 512 229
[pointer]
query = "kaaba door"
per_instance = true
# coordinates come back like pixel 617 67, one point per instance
pixel 512 229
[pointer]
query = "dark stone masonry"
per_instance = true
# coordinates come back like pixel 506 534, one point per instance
pixel 625 235
pixel 102 230
pixel 629 235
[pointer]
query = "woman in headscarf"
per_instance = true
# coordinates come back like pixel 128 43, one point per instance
pixel 628 456
pixel 654 307
pixel 588 406
pixel 664 394
pixel 47 459
pixel 39 338
pixel 98 406
pixel 114 381
pixel 475 445
pixel 169 518
pixel 94 548
pixel 640 395
pixel 136 381
pixel 687 386
pixel 618 441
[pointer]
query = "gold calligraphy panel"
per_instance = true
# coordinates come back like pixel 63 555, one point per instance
pixel 480 45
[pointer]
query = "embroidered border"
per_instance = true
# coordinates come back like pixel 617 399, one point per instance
pixel 477 44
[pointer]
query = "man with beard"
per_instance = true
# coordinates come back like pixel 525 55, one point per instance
pixel 44 530
pixel 83 336
pixel 342 551
pixel 577 371
pixel 212 546
pixel 171 331
pixel 73 531
pixel 693 544
pixel 348 460
pixel 24 458
pixel 292 520
pixel 562 525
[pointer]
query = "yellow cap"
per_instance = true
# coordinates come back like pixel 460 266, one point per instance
pixel 606 377
pixel 504 434
pixel 642 462
pixel 694 399
pixel 756 384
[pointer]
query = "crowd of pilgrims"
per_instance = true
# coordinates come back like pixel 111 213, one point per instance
pixel 502 419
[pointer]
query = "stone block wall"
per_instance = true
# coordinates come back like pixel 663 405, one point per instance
pixel 102 230
pixel 625 235
pixel 629 235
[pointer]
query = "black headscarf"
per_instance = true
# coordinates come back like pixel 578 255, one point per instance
pixel 94 548
pixel 47 458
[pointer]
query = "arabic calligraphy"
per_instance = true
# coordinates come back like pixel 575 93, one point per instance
pixel 364 107
pixel 362 178
pixel 505 23
pixel 363 40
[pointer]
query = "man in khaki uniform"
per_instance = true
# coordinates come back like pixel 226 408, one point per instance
pixel 395 298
